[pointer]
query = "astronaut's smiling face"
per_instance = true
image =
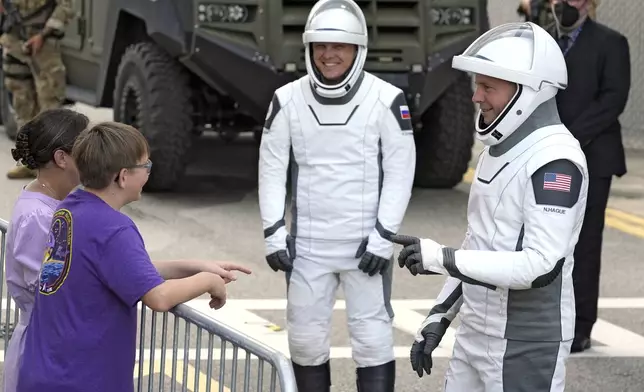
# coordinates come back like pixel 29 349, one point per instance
pixel 333 59
pixel 492 95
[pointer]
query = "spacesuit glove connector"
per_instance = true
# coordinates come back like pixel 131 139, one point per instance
pixel 430 337
pixel 370 263
pixel 282 260
pixel 420 256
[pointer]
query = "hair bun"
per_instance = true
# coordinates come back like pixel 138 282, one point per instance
pixel 22 141
pixel 30 162
pixel 16 154
pixel 22 152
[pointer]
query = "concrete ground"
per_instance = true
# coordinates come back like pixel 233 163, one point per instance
pixel 214 215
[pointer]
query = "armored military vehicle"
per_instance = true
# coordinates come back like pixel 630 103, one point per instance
pixel 176 68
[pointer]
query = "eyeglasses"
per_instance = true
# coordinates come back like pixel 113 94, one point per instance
pixel 147 165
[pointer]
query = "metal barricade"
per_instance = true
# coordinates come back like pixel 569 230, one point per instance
pixel 7 324
pixel 193 365
pixel 183 365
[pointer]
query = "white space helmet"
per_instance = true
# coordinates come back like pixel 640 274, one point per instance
pixel 335 21
pixel 523 53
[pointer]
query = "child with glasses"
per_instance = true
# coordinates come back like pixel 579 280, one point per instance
pixel 82 335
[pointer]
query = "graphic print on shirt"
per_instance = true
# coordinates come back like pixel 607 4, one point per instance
pixel 58 253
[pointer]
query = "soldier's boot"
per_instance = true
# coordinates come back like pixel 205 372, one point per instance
pixel 377 378
pixel 313 378
pixel 21 171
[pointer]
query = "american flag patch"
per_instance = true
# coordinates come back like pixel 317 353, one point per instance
pixel 556 182
pixel 404 112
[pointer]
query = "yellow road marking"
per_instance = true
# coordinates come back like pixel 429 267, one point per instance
pixel 617 223
pixel 468 176
pixel 615 219
pixel 189 382
pixel 626 217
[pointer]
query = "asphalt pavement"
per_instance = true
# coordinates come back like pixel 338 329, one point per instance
pixel 214 215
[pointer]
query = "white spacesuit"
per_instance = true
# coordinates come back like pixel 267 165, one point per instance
pixel 511 279
pixel 351 153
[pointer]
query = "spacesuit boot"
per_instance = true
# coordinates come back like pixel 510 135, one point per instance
pixel 377 378
pixel 313 378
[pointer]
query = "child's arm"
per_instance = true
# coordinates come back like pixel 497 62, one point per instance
pixel 126 269
pixel 178 269
pixel 176 291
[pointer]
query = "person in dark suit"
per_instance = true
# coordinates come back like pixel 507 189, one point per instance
pixel 599 78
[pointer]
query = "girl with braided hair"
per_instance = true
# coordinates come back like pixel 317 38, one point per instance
pixel 44 145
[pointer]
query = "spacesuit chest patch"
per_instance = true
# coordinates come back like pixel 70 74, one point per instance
pixel 557 183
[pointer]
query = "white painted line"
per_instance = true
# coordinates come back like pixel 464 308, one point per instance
pixel 247 323
pixel 618 341
pixel 409 321
pixel 414 304
pixel 617 338
pixel 343 352
pixel 621 303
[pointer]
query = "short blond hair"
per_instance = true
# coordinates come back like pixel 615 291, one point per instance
pixel 103 150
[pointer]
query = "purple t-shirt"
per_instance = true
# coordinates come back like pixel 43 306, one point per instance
pixel 82 334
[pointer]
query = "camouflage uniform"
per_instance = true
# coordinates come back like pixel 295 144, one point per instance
pixel 36 81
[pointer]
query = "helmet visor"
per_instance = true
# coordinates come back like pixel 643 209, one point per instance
pixel 506 52
pixel 336 21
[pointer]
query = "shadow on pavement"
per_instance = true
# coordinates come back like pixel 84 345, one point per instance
pixel 220 172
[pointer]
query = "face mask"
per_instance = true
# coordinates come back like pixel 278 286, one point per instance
pixel 566 14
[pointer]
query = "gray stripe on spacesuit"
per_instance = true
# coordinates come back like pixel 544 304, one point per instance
pixel 333 124
pixel 381 172
pixel 384 233
pixel 494 176
pixel 269 231
pixel 444 307
pixel 387 275
pixel 449 262
pixel 387 279
pixel 295 172
pixel 439 313
pixel 396 110
pixel 535 314
pixel 544 115
pixel 341 100
pixel 529 366
pixel 275 108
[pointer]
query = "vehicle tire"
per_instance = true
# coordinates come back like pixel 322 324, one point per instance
pixel 152 93
pixel 6 111
pixel 444 146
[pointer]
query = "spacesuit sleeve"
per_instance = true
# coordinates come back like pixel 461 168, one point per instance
pixel 274 154
pixel 553 208
pixel 60 17
pixel 398 166
pixel 448 303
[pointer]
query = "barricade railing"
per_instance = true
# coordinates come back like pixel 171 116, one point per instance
pixel 197 353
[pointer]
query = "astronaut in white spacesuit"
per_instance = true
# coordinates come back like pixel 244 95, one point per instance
pixel 511 280
pixel 348 139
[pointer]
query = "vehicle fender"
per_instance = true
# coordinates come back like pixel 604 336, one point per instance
pixel 169 23
pixel 440 74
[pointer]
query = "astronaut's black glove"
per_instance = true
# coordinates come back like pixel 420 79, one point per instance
pixel 411 256
pixel 283 258
pixel 370 263
pixel 420 355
